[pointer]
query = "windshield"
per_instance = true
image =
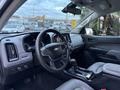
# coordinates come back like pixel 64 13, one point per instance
pixel 37 15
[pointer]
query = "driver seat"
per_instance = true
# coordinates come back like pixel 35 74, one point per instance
pixel 74 84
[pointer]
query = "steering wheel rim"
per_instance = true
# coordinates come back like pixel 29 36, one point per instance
pixel 53 53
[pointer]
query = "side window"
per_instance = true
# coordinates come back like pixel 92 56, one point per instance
pixel 108 25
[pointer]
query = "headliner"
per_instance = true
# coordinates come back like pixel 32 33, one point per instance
pixel 102 7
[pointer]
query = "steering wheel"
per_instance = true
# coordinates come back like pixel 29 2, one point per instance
pixel 54 56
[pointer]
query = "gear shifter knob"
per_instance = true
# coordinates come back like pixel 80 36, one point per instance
pixel 73 62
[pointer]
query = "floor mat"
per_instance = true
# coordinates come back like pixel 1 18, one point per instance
pixel 43 81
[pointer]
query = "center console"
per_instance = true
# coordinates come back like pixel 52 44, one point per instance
pixel 78 72
pixel 108 79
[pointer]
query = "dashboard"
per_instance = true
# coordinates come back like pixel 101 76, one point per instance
pixel 17 52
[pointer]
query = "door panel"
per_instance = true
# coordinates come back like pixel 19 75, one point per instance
pixel 103 48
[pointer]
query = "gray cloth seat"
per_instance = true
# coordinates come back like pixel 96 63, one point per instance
pixel 74 84
pixel 97 67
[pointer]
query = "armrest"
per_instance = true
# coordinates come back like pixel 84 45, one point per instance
pixel 113 69
pixel 114 53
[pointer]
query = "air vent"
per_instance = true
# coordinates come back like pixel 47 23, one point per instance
pixel 11 52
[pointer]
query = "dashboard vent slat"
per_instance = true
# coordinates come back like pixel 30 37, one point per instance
pixel 11 52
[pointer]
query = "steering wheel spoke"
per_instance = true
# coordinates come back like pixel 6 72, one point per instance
pixel 52 65
pixel 63 62
pixel 43 51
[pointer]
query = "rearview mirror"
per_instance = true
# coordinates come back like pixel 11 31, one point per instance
pixel 71 8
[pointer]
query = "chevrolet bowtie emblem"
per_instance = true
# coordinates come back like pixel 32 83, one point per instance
pixel 56 49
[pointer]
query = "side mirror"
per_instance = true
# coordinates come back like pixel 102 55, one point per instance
pixel 89 31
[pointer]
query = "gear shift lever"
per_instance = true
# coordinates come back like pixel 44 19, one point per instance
pixel 79 72
pixel 73 63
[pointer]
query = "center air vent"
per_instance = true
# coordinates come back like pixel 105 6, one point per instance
pixel 11 52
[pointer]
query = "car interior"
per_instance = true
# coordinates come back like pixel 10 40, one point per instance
pixel 51 60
